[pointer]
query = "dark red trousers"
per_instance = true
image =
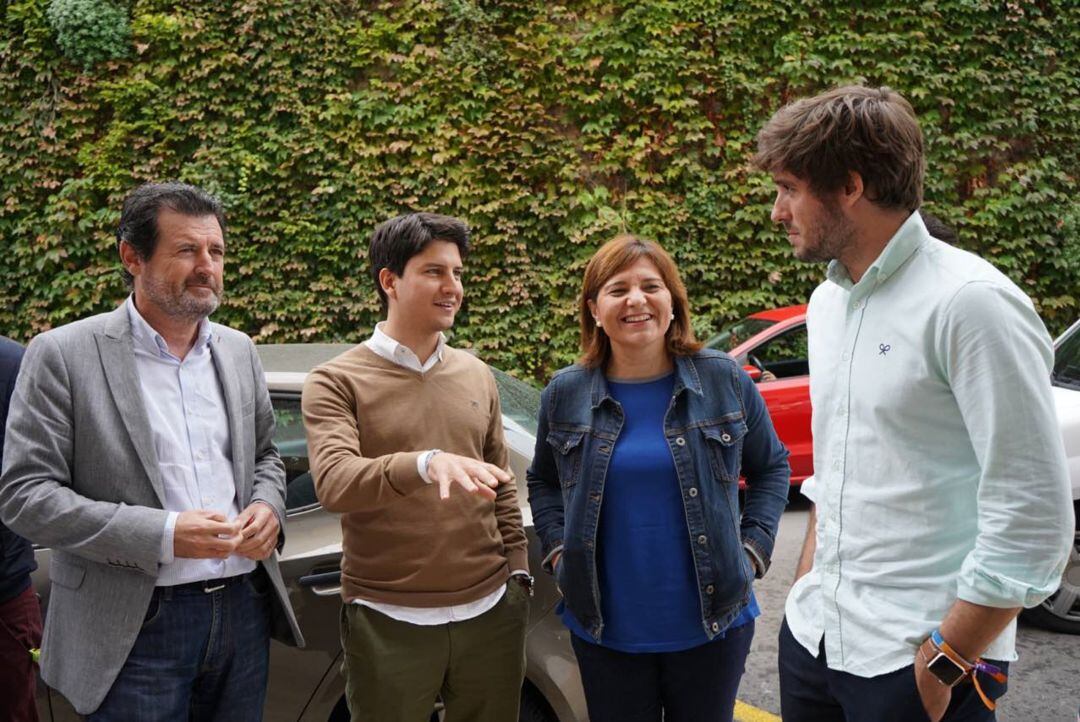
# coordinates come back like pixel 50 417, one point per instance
pixel 20 631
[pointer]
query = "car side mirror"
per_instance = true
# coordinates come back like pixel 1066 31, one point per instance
pixel 753 372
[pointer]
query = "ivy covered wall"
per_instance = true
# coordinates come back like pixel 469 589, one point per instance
pixel 548 126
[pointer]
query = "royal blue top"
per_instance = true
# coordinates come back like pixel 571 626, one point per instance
pixel 648 587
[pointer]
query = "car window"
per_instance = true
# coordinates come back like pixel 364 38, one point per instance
pixel 292 445
pixel 520 402
pixel 1067 361
pixel 785 355
pixel 731 336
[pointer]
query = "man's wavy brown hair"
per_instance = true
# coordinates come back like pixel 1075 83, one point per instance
pixel 612 257
pixel 872 131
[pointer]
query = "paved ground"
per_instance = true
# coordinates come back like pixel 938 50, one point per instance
pixel 1044 685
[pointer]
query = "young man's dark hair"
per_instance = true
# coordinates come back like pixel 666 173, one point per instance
pixel 872 131
pixel 138 220
pixel 397 240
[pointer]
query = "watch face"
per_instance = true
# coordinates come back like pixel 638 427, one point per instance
pixel 945 669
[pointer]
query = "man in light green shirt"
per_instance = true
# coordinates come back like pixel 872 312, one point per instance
pixel 941 498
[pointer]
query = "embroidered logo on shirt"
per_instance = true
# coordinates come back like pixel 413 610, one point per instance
pixel 883 348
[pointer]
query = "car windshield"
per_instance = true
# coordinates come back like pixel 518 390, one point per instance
pixel 520 401
pixel 1067 361
pixel 733 335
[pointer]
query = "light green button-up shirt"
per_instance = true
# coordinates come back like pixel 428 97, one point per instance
pixel 939 467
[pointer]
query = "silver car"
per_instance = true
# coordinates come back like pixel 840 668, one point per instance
pixel 306 685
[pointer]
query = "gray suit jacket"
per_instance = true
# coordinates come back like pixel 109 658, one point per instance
pixel 81 476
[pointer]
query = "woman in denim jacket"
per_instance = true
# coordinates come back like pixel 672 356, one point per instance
pixel 634 493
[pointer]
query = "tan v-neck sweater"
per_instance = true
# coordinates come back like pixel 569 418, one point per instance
pixel 367 420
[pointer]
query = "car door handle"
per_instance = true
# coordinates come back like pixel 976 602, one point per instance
pixel 322 584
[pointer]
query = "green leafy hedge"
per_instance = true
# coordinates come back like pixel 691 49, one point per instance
pixel 548 126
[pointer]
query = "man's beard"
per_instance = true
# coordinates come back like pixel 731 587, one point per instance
pixel 183 304
pixel 832 232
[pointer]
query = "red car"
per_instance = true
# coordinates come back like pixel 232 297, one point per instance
pixel 775 342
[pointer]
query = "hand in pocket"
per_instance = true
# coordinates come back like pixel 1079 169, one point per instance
pixel 933 694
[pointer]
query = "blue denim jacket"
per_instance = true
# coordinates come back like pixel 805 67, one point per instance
pixel 717 428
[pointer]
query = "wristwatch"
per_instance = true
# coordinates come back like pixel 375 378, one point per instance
pixel 945 664
pixel 526 581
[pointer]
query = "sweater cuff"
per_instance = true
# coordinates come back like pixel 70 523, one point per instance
pixel 402 474
pixel 517 559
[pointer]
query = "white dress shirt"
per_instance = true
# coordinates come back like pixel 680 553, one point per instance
pixel 403 356
pixel 190 426
pixel 939 468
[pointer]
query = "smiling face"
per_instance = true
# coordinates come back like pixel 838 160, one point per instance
pixel 817 229
pixel 182 279
pixel 634 309
pixel 424 299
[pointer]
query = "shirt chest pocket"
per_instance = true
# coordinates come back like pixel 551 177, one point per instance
pixel 723 446
pixel 567 448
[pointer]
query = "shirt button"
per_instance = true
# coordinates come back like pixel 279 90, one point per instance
pixel 710 589
pixel 715 626
pixel 845 356
pixel 725 437
pixel 857 305
pixel 702 539
pixel 836 465
pixel 693 491
pixel 680 441
pixel 603 449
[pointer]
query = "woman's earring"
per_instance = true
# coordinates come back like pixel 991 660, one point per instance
pixel 672 316
pixel 597 321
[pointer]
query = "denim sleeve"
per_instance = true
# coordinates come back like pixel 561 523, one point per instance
pixel 545 494
pixel 765 467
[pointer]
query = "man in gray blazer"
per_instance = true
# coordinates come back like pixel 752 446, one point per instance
pixel 139 448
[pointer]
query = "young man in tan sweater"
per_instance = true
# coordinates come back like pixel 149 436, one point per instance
pixel 406 442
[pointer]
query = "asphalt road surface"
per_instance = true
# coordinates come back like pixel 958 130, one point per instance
pixel 1044 684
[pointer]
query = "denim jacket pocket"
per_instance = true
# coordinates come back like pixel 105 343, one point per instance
pixel 724 443
pixel 567 448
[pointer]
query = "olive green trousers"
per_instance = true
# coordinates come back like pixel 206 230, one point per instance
pixel 395 671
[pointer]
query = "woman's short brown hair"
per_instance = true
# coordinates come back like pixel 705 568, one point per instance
pixel 872 131
pixel 614 256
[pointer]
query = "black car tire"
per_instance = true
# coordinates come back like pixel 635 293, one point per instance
pixel 533 707
pixel 340 713
pixel 1044 614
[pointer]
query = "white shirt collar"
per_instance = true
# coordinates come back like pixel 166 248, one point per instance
pixel 402 355
pixel 144 334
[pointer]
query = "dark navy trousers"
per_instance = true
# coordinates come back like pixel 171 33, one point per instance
pixel 811 692
pixel 695 685
pixel 200 656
